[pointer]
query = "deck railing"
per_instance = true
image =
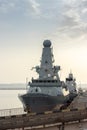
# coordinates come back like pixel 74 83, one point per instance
pixel 10 112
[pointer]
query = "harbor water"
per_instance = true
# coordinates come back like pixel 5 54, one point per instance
pixel 9 99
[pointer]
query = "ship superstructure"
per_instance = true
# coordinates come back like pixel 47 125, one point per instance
pixel 47 92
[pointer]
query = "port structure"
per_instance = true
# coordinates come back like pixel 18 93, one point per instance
pixel 34 120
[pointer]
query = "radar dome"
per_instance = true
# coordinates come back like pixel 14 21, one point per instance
pixel 47 43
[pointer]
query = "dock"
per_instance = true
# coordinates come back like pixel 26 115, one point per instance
pixel 48 119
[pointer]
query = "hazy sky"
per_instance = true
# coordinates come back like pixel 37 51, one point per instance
pixel 24 24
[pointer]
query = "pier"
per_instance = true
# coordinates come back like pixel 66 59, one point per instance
pixel 57 119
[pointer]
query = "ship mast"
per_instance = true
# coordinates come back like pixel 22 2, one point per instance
pixel 47 70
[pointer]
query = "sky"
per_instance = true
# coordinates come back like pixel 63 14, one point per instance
pixel 25 24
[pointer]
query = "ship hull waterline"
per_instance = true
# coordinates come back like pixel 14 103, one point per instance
pixel 42 102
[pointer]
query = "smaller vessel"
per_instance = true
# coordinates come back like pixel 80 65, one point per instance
pixel 71 85
pixel 48 92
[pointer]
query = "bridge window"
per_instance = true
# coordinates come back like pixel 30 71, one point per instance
pixel 36 90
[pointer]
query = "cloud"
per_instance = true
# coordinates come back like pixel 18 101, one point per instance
pixel 67 17
pixel 6 6
pixel 70 18
pixel 30 7
pixel 35 6
pixel 84 10
pixel 73 24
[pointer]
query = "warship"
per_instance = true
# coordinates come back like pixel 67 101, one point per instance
pixel 48 92
pixel 71 84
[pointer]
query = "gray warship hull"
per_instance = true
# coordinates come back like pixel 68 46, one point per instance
pixel 41 102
